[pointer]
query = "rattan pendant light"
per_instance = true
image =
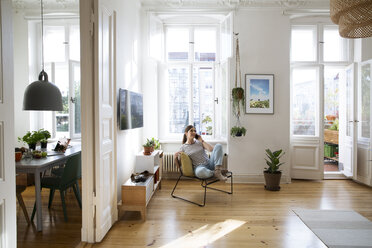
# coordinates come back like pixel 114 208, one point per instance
pixel 354 17
pixel 41 94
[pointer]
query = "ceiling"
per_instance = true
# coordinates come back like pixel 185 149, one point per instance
pixel 285 4
pixel 183 4
pixel 48 4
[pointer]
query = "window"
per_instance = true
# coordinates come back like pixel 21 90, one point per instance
pixel 317 52
pixel 191 53
pixel 62 63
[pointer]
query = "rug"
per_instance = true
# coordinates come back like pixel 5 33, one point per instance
pixel 338 228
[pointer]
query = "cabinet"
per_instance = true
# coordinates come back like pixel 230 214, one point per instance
pixel 136 196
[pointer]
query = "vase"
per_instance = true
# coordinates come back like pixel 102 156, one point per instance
pixel 32 146
pixel 43 145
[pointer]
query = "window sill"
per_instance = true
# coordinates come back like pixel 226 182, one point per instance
pixel 214 141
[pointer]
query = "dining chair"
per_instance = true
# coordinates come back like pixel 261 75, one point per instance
pixel 19 191
pixel 69 178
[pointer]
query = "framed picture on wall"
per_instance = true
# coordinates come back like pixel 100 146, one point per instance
pixel 259 98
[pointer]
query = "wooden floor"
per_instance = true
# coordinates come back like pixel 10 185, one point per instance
pixel 56 232
pixel 251 217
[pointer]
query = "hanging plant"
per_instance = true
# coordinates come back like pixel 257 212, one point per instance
pixel 237 93
pixel 238 100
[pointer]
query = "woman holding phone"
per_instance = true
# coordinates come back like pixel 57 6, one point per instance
pixel 194 146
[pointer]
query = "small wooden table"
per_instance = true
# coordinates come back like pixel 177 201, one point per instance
pixel 37 166
pixel 136 196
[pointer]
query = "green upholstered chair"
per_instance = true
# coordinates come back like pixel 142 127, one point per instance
pixel 69 178
pixel 186 170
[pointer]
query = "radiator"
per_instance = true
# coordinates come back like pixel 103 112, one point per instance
pixel 170 166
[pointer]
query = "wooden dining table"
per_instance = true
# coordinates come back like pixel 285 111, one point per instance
pixel 38 166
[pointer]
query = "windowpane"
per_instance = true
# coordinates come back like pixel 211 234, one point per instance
pixel 74 43
pixel 335 47
pixel 178 99
pixel 366 99
pixel 205 44
pixel 303 43
pixel 177 44
pixel 203 99
pixel 331 96
pixel 62 117
pixel 77 99
pixel 54 43
pixel 349 103
pixel 305 100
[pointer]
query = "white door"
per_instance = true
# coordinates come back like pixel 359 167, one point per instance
pixel 8 230
pixel 306 144
pixel 105 119
pixel 348 122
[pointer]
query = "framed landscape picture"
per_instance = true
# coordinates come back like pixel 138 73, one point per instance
pixel 259 98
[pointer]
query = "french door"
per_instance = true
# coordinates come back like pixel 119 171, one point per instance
pixel 306 143
pixel 348 121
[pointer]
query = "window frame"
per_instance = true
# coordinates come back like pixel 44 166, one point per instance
pixel 190 64
pixel 39 119
pixel 319 63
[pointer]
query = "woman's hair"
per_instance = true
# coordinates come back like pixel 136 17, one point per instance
pixel 185 132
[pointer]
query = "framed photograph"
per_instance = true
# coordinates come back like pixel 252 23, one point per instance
pixel 259 97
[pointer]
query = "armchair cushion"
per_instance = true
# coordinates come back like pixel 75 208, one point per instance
pixel 186 165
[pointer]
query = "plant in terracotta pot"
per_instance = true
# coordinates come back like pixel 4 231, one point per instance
pixel 272 173
pixel 237 131
pixel 147 147
pixel 30 138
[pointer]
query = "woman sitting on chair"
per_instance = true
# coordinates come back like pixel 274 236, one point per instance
pixel 194 146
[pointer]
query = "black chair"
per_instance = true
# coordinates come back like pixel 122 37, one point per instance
pixel 204 183
pixel 70 175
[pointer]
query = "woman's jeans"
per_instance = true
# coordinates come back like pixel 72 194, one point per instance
pixel 207 170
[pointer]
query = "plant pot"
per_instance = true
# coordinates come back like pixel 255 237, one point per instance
pixel 32 146
pixel 147 150
pixel 238 134
pixel 152 148
pixel 43 145
pixel 272 181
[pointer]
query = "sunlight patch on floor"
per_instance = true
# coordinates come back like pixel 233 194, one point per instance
pixel 206 234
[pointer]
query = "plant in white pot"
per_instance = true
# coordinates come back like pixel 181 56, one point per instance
pixel 272 173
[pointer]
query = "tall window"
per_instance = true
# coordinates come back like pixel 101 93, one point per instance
pixel 191 53
pixel 318 54
pixel 62 63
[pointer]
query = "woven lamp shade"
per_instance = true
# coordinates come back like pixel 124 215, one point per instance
pixel 354 17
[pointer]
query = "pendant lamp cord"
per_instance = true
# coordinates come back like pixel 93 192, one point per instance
pixel 237 65
pixel 42 35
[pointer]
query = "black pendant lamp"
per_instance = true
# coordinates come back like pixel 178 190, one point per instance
pixel 42 95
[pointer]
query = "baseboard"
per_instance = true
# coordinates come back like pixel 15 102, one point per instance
pixel 238 178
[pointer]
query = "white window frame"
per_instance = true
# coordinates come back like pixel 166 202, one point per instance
pixel 319 62
pixel 164 115
pixel 38 119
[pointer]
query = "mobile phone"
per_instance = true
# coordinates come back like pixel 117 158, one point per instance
pixel 196 136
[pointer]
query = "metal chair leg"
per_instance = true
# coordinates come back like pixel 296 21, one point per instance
pixel 184 199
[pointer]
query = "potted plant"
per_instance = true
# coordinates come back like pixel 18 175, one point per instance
pixel 237 131
pixel 156 143
pixel 237 94
pixel 31 139
pixel 147 147
pixel 44 135
pixel 272 173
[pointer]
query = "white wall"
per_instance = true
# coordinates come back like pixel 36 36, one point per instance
pixel 128 76
pixel 264 37
pixel 21 73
